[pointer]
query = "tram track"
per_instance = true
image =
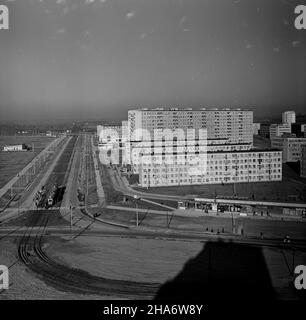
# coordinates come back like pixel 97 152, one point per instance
pixel 31 252
pixel 63 277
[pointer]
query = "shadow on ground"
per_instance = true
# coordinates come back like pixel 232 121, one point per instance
pixel 223 271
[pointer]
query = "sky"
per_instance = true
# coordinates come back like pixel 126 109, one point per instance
pixel 96 59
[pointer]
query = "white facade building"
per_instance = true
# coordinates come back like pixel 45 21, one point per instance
pixel 290 146
pixel 278 129
pixel 225 129
pixel 221 167
pixel 16 147
pixel 256 128
pixel 234 125
pixel 184 146
pixel 288 117
pixel 138 149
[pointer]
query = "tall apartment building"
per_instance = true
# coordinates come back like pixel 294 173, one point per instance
pixel 291 147
pixel 233 126
pixel 278 129
pixel 288 117
pixel 216 148
pixel 303 162
pixel 225 129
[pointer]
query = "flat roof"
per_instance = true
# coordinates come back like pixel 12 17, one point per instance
pixel 250 151
pixel 190 109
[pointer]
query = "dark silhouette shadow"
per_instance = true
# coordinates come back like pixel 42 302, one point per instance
pixel 222 271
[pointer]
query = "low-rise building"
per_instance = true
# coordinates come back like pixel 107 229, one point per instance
pixel 16 147
pixel 143 148
pixel 278 129
pixel 218 167
pixel 291 147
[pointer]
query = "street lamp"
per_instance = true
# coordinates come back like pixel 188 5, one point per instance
pixel 136 198
pixel 70 216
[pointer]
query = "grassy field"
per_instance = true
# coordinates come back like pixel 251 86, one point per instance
pixel 12 162
pixel 291 188
pixel 159 261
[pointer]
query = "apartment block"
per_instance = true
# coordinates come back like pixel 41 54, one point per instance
pixel 291 147
pixel 233 125
pixel 220 167
pixel 140 149
pixel 278 129
pixel 288 117
pixel 215 146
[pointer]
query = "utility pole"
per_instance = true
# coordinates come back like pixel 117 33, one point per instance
pixel 86 170
pixel 70 217
pixel 232 222
pixel 136 214
pixel 167 220
pixel 293 256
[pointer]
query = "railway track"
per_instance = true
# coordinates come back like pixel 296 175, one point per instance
pixel 62 277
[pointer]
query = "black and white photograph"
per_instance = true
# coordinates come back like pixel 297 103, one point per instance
pixel 152 157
